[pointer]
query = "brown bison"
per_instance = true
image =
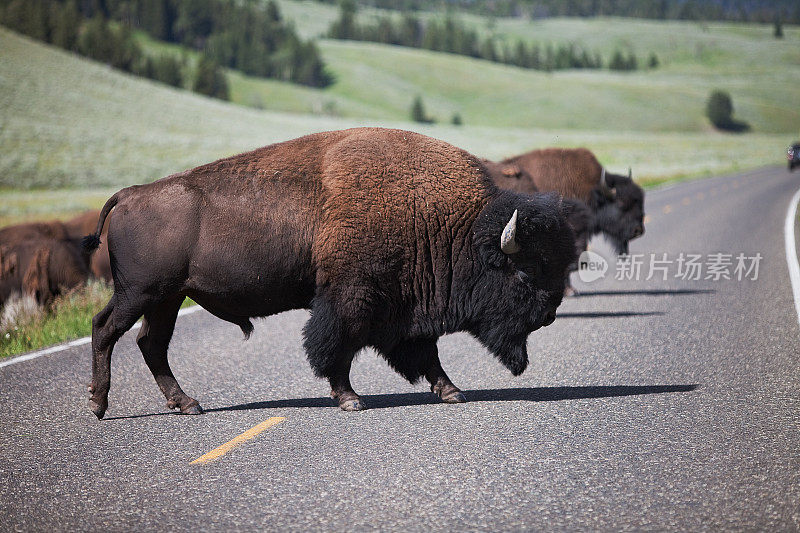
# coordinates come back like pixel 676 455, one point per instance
pixel 616 201
pixel 71 232
pixel 82 225
pixel 40 267
pixel 391 239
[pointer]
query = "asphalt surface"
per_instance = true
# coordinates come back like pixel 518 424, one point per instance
pixel 648 405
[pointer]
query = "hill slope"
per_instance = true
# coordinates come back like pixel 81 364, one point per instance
pixel 761 73
pixel 69 122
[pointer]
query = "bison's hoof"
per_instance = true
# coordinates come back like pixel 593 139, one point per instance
pixel 455 396
pixel 98 410
pixel 352 405
pixel 192 410
pixel 570 291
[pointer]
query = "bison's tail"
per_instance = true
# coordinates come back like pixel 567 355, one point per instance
pixel 91 242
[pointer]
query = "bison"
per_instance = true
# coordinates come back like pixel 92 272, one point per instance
pixel 81 225
pixel 70 232
pixel 616 201
pixel 390 238
pixel 40 267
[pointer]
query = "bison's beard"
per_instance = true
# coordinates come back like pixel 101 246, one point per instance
pixel 622 247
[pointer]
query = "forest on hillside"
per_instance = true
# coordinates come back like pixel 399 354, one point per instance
pixel 248 35
pixel 451 35
pixel 787 11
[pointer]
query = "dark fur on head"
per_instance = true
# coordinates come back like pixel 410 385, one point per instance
pixel 520 292
pixel 621 217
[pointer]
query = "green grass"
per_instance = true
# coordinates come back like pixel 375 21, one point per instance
pixel 18 206
pixel 70 317
pixel 761 73
pixel 72 123
pixel 379 82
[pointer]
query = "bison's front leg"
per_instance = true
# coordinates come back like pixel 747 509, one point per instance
pixel 420 357
pixel 440 382
pixel 330 351
pixel 342 391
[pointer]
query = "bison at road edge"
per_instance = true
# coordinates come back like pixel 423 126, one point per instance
pixel 616 201
pixel 70 232
pixel 391 238
pixel 42 268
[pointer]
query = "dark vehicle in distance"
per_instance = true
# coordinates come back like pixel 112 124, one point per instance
pixel 793 155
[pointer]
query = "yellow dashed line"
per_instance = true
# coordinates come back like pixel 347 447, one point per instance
pixel 686 201
pixel 667 209
pixel 251 433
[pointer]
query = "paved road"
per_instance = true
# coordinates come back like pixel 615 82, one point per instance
pixel 648 405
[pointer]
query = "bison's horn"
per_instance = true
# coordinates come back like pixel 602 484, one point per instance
pixel 607 191
pixel 508 243
pixel 630 173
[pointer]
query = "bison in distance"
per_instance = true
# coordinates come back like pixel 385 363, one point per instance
pixel 44 259
pixel 391 239
pixel 616 201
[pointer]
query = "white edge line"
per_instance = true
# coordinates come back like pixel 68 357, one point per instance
pixel 791 251
pixel 78 342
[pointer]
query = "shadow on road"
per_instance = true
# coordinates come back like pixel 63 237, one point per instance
pixel 530 394
pixel 609 314
pixel 655 292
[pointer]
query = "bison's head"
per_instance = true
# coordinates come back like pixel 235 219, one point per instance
pixel 525 247
pixel 619 207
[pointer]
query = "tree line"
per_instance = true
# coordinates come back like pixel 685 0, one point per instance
pixel 452 36
pixel 246 35
pixel 788 11
pixel 239 34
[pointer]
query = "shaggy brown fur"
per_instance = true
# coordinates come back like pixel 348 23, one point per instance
pixel 571 172
pixel 391 238
pixel 575 173
pixel 43 268
pixel 83 224
pixel 8 261
pixel 71 232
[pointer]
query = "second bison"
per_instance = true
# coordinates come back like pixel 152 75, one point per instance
pixel 391 239
pixel 616 201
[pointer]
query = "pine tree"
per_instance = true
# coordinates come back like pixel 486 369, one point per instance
pixel 778 32
pixel 66 22
pixel 719 110
pixel 167 69
pixel 210 80
pixel 617 61
pixel 418 111
pixel 345 26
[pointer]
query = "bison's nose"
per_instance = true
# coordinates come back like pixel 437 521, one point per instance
pixel 639 231
pixel 549 318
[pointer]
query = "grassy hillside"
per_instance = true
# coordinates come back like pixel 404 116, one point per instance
pixel 376 81
pixel 71 123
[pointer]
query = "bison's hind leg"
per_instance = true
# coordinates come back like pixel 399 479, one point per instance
pixel 330 352
pixel 107 327
pixel 153 341
pixel 418 357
